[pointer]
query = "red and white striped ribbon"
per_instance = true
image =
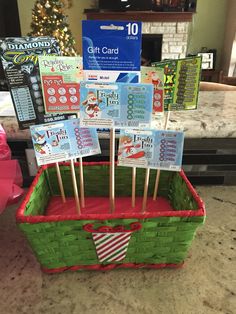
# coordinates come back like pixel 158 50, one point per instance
pixel 111 247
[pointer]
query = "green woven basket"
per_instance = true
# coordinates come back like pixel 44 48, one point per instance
pixel 100 240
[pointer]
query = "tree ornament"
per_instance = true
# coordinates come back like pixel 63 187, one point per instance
pixel 47 5
pixel 67 3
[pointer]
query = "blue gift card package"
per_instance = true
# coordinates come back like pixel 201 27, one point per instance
pixel 111 45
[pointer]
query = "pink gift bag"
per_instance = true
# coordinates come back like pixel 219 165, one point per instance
pixel 10 175
pixel 10 182
pixel 5 152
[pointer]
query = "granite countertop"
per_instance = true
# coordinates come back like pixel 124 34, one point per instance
pixel 214 118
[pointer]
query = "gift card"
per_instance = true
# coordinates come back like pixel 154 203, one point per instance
pixel 111 51
pixel 64 140
pixel 111 45
pixel 154 149
pixel 116 105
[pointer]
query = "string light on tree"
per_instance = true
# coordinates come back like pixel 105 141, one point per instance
pixel 47 5
pixel 49 19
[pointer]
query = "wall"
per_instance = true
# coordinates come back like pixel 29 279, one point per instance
pixel 230 36
pixel 207 29
pixel 75 16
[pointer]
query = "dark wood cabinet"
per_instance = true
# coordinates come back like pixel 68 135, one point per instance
pixel 205 160
pixel 211 76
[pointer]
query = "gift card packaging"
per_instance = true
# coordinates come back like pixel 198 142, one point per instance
pixel 112 76
pixel 116 105
pixel 111 51
pixel 181 83
pixel 60 77
pixel 151 149
pixel 20 62
pixel 64 140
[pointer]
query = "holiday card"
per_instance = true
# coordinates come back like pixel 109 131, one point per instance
pixel 116 105
pixel 64 140
pixel 111 51
pixel 188 76
pixel 169 67
pixel 154 149
pixel 155 76
pixel 60 77
pixel 20 62
pixel 181 83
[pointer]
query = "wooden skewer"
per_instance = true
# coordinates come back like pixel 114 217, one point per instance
pixel 60 182
pixel 158 170
pixel 145 192
pixel 75 186
pixel 81 173
pixel 156 184
pixel 133 186
pixel 167 120
pixel 112 170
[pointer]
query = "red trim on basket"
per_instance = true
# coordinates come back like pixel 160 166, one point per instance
pixel 21 209
pixel 192 190
pixel 21 218
pixel 134 226
pixel 110 267
pixel 55 218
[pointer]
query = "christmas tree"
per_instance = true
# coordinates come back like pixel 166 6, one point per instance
pixel 48 19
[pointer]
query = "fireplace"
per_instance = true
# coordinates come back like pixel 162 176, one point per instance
pixel 174 36
pixel 151 48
